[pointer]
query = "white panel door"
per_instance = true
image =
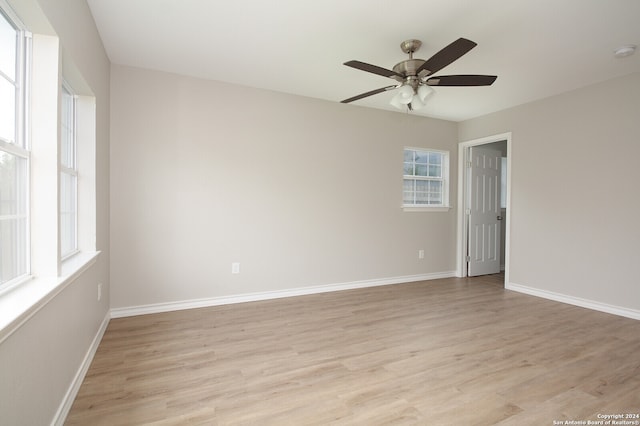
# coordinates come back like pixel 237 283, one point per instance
pixel 484 211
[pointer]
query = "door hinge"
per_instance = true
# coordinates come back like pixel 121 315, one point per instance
pixel 468 164
pixel 467 211
pixel 468 258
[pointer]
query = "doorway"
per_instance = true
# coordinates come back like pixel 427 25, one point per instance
pixel 468 192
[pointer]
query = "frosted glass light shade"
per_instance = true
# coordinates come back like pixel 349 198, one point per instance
pixel 424 92
pixel 405 93
pixel 403 97
pixel 416 102
pixel 395 102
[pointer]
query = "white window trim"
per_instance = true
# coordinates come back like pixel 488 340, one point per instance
pixel 47 275
pixel 446 206
pixel 72 171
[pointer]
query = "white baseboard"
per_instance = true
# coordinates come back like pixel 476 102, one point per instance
pixel 576 301
pixel 72 392
pixel 267 295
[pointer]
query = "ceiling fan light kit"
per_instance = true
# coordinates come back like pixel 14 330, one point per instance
pixel 424 92
pixel 413 98
pixel 405 95
pixel 416 103
pixel 412 75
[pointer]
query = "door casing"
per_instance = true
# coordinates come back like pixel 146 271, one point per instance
pixel 463 196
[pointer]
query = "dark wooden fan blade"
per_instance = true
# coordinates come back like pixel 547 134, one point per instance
pixel 373 69
pixel 364 95
pixel 462 80
pixel 447 55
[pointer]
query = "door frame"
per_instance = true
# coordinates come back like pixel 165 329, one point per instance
pixel 463 195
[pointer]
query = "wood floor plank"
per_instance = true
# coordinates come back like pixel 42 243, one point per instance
pixel 451 351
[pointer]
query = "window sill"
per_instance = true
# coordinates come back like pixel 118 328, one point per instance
pixel 76 263
pixel 20 303
pixel 425 209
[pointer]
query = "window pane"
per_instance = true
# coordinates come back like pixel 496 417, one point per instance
pixel 7 111
pixel 422 157
pixel 13 175
pixel 408 184
pixel 408 169
pixel 8 48
pixel 408 156
pixel 68 138
pixel 435 158
pixel 13 221
pixel 435 191
pixel 13 239
pixel 408 191
pixel 422 192
pixel 421 170
pixel 421 196
pixel 67 213
pixel 435 171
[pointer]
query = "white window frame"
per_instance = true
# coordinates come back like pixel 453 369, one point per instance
pixel 19 146
pixel 69 168
pixel 444 179
pixel 47 274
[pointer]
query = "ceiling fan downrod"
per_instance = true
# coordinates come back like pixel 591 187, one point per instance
pixel 410 67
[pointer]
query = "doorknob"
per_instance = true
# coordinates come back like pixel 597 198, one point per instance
pixel 499 217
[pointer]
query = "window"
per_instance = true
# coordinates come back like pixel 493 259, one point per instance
pixel 68 175
pixel 14 155
pixel 426 178
pixel 47 169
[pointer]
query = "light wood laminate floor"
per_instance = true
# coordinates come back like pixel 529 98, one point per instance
pixel 443 352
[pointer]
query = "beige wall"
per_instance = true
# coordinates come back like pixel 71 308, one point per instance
pixel 304 192
pixel 574 203
pixel 301 192
pixel 39 360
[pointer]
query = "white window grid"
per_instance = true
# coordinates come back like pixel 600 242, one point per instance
pixel 425 178
pixel 14 151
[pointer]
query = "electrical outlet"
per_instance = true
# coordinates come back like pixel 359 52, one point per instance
pixel 420 254
pixel 99 291
pixel 235 268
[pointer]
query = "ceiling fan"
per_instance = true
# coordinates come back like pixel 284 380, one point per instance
pixel 413 75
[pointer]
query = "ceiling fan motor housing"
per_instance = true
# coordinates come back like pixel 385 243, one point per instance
pixel 409 68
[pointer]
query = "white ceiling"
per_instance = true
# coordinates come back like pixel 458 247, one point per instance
pixel 537 48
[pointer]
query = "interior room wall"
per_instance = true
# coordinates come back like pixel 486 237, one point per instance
pixel 39 360
pixel 573 202
pixel 301 192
